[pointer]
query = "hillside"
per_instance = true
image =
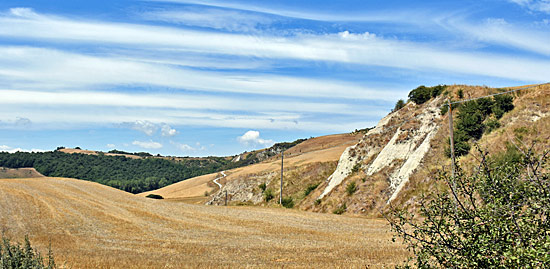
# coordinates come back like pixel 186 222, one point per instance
pixel 94 226
pixel 19 173
pixel 399 159
pixel 318 155
pixel 393 162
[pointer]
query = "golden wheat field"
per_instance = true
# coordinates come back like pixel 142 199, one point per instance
pixel 314 150
pixel 94 226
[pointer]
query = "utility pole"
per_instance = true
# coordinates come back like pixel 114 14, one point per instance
pixel 451 133
pixel 281 193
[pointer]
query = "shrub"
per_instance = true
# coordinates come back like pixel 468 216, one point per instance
pixel 460 93
pixel 491 124
pixel 156 196
pixel 16 256
pixel 485 106
pixel 422 94
pixel 310 188
pixel 356 167
pixel 400 104
pixel 471 117
pixel 288 202
pixel 262 186
pixel 497 217
pixel 268 195
pixel 351 188
pixel 340 210
pixel 317 202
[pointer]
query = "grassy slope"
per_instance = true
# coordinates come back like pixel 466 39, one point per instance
pixel 531 113
pixel 315 150
pixel 94 226
pixel 19 173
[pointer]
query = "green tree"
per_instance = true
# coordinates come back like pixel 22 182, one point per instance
pixel 400 104
pixel 496 216
pixel 420 95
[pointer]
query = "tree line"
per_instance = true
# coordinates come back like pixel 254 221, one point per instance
pixel 131 175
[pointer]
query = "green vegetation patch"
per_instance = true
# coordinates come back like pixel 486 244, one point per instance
pixel 422 94
pixel 131 175
pixel 17 256
pixel 154 196
pixel 477 117
pixel 287 202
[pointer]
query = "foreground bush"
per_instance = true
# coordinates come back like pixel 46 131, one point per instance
pixel 156 196
pixel 496 217
pixel 16 256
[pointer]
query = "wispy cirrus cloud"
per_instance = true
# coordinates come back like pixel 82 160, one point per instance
pixel 349 49
pixel 534 5
pixel 209 17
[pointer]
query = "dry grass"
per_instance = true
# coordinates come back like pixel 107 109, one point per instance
pixel 531 113
pixel 194 187
pixel 19 173
pixel 94 226
pixel 315 150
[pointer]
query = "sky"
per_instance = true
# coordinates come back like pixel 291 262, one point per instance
pixel 213 77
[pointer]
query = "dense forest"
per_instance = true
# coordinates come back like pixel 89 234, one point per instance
pixel 131 175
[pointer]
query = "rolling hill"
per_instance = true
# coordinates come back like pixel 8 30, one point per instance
pixel 94 226
pixel 395 161
pixel 320 152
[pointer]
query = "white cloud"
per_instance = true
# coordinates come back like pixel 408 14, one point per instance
pixel 252 138
pixel 29 68
pixel 305 47
pixel 144 126
pixel 499 32
pixel 534 5
pixel 111 146
pixel 4 148
pixel 147 144
pixel 166 130
pixel 22 122
pixel 183 147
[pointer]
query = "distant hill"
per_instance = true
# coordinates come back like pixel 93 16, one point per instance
pixel 131 172
pixel 307 162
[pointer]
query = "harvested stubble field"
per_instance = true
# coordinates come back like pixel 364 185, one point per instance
pixel 94 226
pixel 314 150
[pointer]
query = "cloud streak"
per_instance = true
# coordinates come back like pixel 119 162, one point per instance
pixel 350 49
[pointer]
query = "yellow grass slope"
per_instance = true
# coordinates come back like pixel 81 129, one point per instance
pixel 94 226
pixel 19 173
pixel 314 150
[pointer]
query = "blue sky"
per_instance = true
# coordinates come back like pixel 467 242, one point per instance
pixel 207 77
